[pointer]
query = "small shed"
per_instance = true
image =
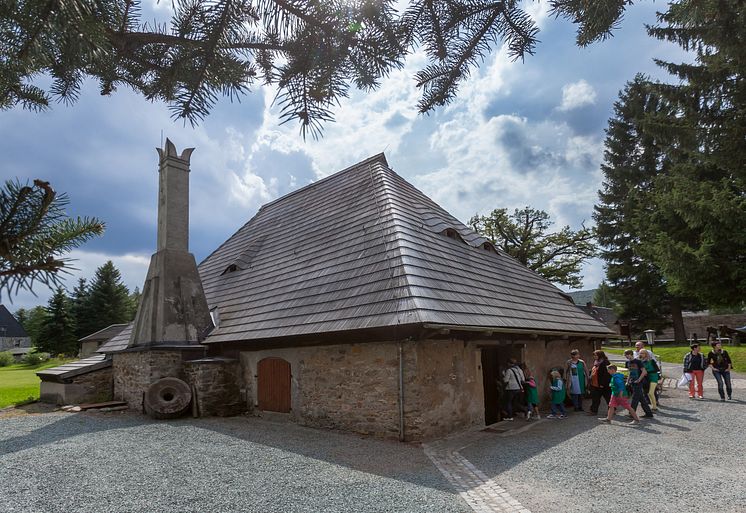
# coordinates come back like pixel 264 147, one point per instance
pixel 90 344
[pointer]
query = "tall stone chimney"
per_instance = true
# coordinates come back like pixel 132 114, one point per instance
pixel 173 310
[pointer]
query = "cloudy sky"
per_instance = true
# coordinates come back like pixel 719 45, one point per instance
pixel 520 133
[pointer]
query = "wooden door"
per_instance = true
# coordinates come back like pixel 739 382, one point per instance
pixel 273 385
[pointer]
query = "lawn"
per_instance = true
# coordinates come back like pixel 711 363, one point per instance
pixel 19 383
pixel 675 354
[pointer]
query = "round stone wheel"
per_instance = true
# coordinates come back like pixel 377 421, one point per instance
pixel 167 398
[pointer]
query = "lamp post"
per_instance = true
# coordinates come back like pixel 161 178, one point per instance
pixel 650 336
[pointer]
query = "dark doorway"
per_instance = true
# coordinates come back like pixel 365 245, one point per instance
pixel 494 362
pixel 273 385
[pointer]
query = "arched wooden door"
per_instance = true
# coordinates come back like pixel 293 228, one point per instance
pixel 273 385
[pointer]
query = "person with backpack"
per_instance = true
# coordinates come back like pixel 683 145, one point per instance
pixel 619 397
pixel 653 375
pixel 695 364
pixel 636 383
pixel 721 367
pixel 600 380
pixel 513 378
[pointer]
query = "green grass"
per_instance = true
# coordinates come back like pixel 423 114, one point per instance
pixel 19 382
pixel 675 354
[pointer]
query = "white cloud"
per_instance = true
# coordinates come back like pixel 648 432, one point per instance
pixel 577 94
pixel 132 266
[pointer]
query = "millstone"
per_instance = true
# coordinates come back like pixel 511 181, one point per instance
pixel 167 398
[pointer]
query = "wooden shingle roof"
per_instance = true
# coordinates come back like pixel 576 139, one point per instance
pixel 363 248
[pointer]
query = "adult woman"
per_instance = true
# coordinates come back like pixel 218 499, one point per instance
pixel 653 376
pixel 576 377
pixel 721 366
pixel 600 381
pixel 695 364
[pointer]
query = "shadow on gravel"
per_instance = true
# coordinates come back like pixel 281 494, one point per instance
pixel 68 426
pixel 388 459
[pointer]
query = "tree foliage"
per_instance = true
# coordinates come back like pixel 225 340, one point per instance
pixel 558 256
pixel 673 207
pixel 312 51
pixel 35 232
pixel 107 301
pixel 57 334
pixel 603 296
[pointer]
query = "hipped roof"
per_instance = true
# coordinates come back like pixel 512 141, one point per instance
pixel 363 248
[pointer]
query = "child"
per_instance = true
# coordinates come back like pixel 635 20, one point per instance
pixel 558 397
pixel 532 394
pixel 638 376
pixel 618 397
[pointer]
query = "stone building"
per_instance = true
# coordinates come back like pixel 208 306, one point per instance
pixel 13 338
pixel 90 344
pixel 354 303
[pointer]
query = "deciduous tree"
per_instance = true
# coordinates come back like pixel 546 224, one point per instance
pixel 558 256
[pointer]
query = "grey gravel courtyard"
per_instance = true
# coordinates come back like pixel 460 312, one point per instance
pixel 124 462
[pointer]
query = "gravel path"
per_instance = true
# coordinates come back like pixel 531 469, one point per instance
pixel 59 462
pixel 581 465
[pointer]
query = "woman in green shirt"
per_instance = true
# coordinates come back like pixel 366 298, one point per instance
pixel 653 376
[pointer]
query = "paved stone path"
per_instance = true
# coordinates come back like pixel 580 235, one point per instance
pixel 482 494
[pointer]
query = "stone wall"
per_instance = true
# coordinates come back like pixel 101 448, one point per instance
pixel 355 387
pixel 542 356
pixel 216 385
pixel 443 390
pixel 92 387
pixel 135 371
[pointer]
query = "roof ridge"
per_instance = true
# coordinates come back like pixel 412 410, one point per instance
pixel 377 157
pixel 388 197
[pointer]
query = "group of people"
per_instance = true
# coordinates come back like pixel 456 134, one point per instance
pixel 604 380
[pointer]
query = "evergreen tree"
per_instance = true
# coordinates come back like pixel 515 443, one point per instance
pixel 697 236
pixel 134 303
pixel 557 256
pixel 35 233
pixel 32 321
pixel 107 302
pixel 57 335
pixel 633 161
pixel 603 296
pixel 78 301
pixel 313 51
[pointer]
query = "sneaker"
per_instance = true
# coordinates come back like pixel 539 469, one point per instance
pixel 646 416
pixel 700 397
pixel 563 416
pixel 634 423
pixel 722 399
pixel 537 415
pixel 508 418
pixel 551 416
pixel 604 419
pixel 730 398
pixel 691 397
pixel 528 416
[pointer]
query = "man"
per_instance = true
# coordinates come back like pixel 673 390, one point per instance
pixel 721 364
pixel 637 377
pixel 513 378
pixel 639 346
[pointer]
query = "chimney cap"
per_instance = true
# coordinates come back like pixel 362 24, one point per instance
pixel 170 151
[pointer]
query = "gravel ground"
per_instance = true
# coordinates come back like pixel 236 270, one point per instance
pixel 690 457
pixel 60 462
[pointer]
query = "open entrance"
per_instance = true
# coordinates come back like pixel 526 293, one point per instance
pixel 273 385
pixel 494 362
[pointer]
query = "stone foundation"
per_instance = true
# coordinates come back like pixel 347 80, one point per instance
pixel 216 386
pixel 91 387
pixel 135 371
pixel 355 387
